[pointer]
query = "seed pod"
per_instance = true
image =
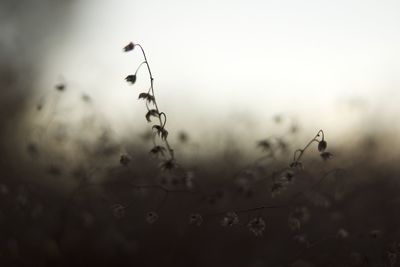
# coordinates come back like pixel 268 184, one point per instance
pixel 131 79
pixel 129 47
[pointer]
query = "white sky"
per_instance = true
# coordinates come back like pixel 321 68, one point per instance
pixel 213 60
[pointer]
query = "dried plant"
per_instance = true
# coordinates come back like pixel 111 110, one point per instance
pixel 153 111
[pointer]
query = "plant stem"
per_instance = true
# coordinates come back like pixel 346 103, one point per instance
pixel 170 150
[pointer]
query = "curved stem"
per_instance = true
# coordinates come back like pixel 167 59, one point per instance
pixel 301 151
pixel 165 119
pixel 138 68
pixel 170 150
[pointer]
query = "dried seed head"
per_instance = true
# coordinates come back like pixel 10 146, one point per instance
pixel 151 113
pixel 289 175
pixel 158 150
pixel 151 217
pixel 168 164
pixel 118 211
pixel 257 226
pixel 124 160
pixel 148 97
pixel 230 219
pixel 129 47
pixel 131 78
pixel 322 146
pixel 276 188
pixel 264 145
pixel 60 87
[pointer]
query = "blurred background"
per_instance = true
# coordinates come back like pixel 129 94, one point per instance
pixel 227 74
pixel 319 64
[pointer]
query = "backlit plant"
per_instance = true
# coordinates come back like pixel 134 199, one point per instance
pixel 159 129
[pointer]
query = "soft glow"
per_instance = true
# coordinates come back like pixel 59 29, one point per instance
pixel 211 60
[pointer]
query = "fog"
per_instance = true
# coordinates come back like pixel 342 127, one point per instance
pixel 275 110
pixel 322 64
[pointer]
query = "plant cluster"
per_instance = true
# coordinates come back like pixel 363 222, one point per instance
pixel 297 202
pixel 270 146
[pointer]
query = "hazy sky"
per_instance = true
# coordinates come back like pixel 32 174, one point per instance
pixel 213 61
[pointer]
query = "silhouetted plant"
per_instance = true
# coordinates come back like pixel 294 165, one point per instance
pixel 153 111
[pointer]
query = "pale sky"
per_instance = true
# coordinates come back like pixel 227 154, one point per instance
pixel 214 61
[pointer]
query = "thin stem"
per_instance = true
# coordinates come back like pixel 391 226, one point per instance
pixel 138 68
pixel 301 151
pixel 165 119
pixel 170 150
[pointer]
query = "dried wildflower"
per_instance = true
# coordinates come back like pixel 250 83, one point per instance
pixel 129 47
pixel 158 150
pixel 257 226
pixel 276 188
pixel 264 145
pixel 148 97
pixel 161 131
pixel 151 217
pixel 195 219
pixel 294 223
pixel 118 211
pixel 131 78
pixel 326 155
pixel 322 146
pixel 289 175
pixel 152 113
pixel 60 87
pixel 124 160
pixel 230 219
pixel 342 233
pixel 168 164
